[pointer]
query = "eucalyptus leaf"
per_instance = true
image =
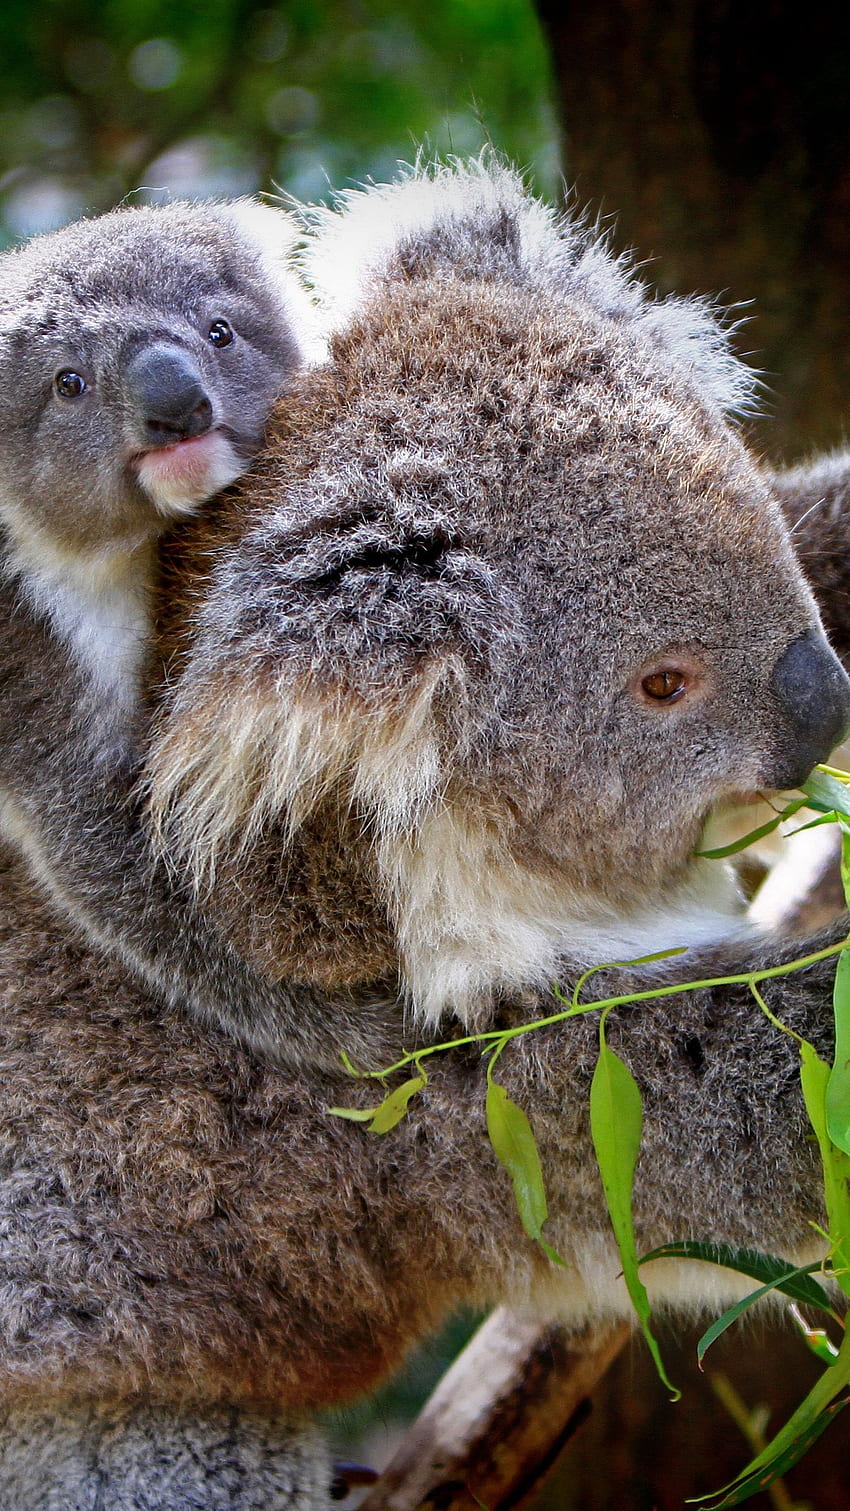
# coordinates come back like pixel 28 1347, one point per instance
pixel 754 1483
pixel 513 1144
pixel 732 1314
pixel 815 1338
pixel 826 794
pixel 755 834
pixel 838 1086
pixel 354 1114
pixel 616 1122
pixel 394 1107
pixel 791 1441
pixel 814 1079
pixel 844 826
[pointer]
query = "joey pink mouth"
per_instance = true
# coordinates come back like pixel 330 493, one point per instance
pixel 181 476
pixel 194 448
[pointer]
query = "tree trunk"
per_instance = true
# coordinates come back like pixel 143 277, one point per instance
pixel 718 135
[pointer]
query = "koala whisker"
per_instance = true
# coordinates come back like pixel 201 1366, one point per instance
pixel 818 504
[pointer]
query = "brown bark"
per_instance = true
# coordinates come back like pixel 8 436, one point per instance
pixel 719 136
pixel 498 1419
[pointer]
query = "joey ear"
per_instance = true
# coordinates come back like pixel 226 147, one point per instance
pixel 276 234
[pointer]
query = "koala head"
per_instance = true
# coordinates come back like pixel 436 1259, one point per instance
pixel 510 594
pixel 139 356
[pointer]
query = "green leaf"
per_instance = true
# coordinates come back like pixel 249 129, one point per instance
pixel 838 1086
pixel 774 1273
pixel 730 1316
pixel 755 834
pixel 354 1114
pixel 513 1144
pixel 753 1483
pixel 791 1441
pixel 394 1107
pixel 814 1079
pixel 815 1338
pixel 389 1112
pixel 845 859
pixel 826 794
pixel 813 823
pixel 616 1122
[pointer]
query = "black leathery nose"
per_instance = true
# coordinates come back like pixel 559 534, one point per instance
pixel 813 692
pixel 168 394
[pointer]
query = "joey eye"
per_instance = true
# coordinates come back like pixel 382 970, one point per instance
pixel 220 333
pixel 69 384
pixel 666 685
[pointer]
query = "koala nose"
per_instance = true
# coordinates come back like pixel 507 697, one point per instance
pixel 168 395
pixel 813 693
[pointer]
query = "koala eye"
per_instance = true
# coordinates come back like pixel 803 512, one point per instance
pixel 680 674
pixel 666 685
pixel 220 333
pixel 69 384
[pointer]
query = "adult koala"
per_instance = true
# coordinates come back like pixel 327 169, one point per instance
pixel 452 683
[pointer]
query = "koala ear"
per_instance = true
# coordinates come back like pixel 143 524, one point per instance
pixel 469 221
pixel 479 222
pixel 275 235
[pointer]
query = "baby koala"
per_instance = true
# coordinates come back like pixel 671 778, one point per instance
pixel 140 354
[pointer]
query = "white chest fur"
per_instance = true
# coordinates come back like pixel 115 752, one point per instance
pixel 97 602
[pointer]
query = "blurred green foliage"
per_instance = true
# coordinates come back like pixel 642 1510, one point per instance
pixel 107 97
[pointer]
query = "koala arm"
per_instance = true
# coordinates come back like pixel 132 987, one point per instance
pixel 815 499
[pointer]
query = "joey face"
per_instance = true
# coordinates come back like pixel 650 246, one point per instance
pixel 140 353
pixel 516 596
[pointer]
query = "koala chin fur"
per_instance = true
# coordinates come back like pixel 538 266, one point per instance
pixel 471 921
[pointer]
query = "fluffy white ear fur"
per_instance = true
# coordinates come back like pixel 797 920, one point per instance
pixel 276 234
pixel 478 220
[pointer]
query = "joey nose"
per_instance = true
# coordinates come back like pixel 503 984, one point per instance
pixel 167 395
pixel 813 693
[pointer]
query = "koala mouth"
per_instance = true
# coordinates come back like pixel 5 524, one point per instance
pixel 178 478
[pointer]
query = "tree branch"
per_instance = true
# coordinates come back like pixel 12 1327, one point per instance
pixel 498 1419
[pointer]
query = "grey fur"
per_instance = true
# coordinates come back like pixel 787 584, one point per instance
pixel 814 498
pixel 513 560
pixel 468 539
pixel 143 1458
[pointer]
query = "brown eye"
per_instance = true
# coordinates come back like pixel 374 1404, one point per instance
pixel 665 686
pixel 220 333
pixel 68 384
